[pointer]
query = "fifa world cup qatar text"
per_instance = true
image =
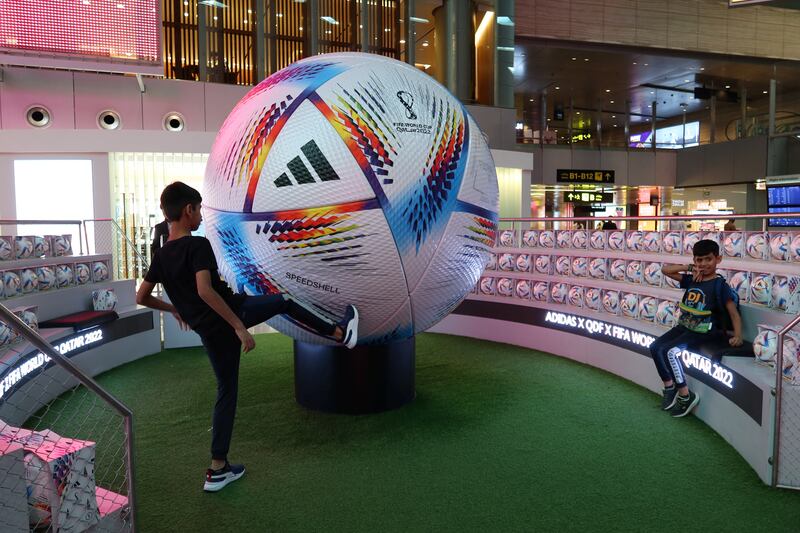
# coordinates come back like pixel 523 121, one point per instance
pixel 353 178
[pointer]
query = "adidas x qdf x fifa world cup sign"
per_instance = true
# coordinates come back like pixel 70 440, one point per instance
pixel 353 178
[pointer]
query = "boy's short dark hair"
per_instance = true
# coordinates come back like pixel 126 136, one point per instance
pixel 705 247
pixel 175 197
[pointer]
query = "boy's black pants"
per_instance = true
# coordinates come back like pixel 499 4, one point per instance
pixel 224 351
pixel 666 351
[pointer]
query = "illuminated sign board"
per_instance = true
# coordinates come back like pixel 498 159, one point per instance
pixel 33 363
pixel 581 197
pixel 727 382
pixel 119 35
pixel 584 176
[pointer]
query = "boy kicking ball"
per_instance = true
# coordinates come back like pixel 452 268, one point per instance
pixel 186 267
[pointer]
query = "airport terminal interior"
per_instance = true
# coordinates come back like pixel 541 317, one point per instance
pixel 399 265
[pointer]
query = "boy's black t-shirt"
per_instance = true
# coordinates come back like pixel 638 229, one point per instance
pixel 175 266
pixel 700 307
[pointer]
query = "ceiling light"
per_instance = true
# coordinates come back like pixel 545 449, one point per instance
pixel 765 92
pixel 328 31
pixel 506 48
pixel 634 62
pixel 652 92
pixel 186 14
pixel 646 64
pixel 425 44
pixel 613 116
pixel 578 112
pixel 686 81
pixel 330 20
pixel 279 15
pixel 574 58
pixel 557 87
pixel 586 59
pixel 212 3
pixel 418 19
pixel 531 100
pixel 402 41
pixel 505 21
pixel 608 90
pixel 611 101
pixel 727 86
pixel 386 29
pixel 702 68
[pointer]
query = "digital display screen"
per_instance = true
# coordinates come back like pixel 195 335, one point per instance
pixel 671 137
pixel 787 195
pixel 115 30
pixel 784 222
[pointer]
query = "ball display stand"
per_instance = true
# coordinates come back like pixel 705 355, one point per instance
pixel 366 379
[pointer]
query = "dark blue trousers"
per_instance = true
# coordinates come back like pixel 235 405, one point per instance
pixel 667 348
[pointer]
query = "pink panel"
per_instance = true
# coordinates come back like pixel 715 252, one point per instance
pixel 114 29
pixel 220 100
pixel 166 96
pixel 95 93
pixel 23 88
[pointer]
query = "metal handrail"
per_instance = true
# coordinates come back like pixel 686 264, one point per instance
pixel 130 243
pixel 778 398
pixel 655 218
pixel 46 348
pixel 49 223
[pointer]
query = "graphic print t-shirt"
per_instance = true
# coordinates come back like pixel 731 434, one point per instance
pixel 700 305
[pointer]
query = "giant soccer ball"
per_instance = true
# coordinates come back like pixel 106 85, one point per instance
pixel 352 179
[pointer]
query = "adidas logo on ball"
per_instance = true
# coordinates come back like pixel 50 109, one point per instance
pixel 300 172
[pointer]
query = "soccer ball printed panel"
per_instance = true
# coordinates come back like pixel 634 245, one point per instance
pixel 633 272
pixel 83 274
pixel 65 276
pixel 6 248
pixel 652 274
pixel 29 316
pixel 629 304
pixel 712 236
pixel 580 266
pixel 23 247
pixel 99 271
pixel 41 246
pixel 732 244
pixel 542 264
pixel 634 242
pixel 672 242
pixel 779 246
pixel 616 240
pixel 666 313
pixel 523 289
pixel 506 262
pixel 651 241
pixel 689 240
pixel 558 292
pixel 563 239
pixel 29 279
pixel 740 282
pixel 47 278
pixel 492 264
pixel 487 286
pixel 540 291
pixel 12 286
pixel 671 283
pixel 794 248
pixel 598 240
pixel 611 302
pixel 562 265
pixel 530 238
pixel 523 263
pixel 760 288
pixel 347 173
pixel 617 270
pixel 508 238
pixel 547 238
pixel 505 287
pixel 61 245
pixel 648 307
pixel 593 298
pixel 756 246
pixel 598 267
pixel 575 296
pixel 579 238
pixel 780 292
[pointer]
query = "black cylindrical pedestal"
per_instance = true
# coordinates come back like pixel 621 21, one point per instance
pixel 366 379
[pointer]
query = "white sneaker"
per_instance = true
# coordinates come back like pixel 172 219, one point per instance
pixel 217 479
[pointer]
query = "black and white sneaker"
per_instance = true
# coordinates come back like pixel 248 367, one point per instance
pixel 670 396
pixel 683 406
pixel 349 325
pixel 217 479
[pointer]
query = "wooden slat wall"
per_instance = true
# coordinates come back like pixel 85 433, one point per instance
pixel 232 35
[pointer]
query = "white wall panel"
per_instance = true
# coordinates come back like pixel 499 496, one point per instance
pixel 167 96
pixel 95 93
pixel 23 88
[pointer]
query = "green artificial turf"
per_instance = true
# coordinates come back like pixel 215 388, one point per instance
pixel 499 438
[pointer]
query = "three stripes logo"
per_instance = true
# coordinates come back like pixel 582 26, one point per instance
pixel 300 171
